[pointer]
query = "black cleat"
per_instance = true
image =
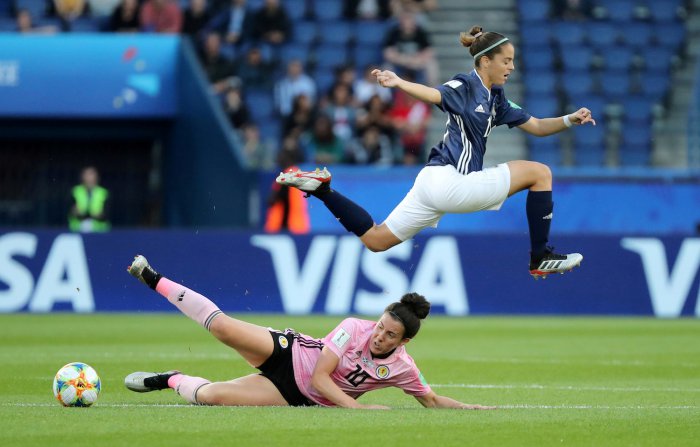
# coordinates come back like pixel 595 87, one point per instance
pixel 143 382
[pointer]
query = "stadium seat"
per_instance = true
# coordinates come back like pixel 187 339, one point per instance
pixel 657 59
pixel 615 85
pixel 541 82
pixel 619 10
pixel 636 110
pixel 543 30
pixel 545 150
pixel 596 104
pixel 670 35
pixel 292 51
pixel 542 106
pixel 364 55
pixel 296 9
pixel 325 78
pixel 271 131
pixel 664 11
pixel 331 56
pixel 36 8
pixel 254 5
pixel 577 58
pixel 7 25
pixel 305 32
pixel 537 58
pixel 655 85
pixel 602 34
pixel 327 10
pixel 631 155
pixel 589 155
pixel 84 25
pixel 6 9
pixel 533 10
pixel 335 33
pixel 637 34
pixel 261 105
pixel 577 83
pixel 369 32
pixel 568 34
pixel 618 58
pixel 589 135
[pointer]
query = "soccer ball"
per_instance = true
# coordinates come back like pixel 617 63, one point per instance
pixel 76 385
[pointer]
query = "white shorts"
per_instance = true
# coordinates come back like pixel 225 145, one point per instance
pixel 441 189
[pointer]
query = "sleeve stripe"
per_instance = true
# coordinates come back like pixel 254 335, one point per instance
pixel 453 83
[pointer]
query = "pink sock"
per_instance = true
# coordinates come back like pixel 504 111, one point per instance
pixel 190 303
pixel 187 386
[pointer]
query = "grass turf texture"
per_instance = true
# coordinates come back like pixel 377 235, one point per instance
pixel 559 381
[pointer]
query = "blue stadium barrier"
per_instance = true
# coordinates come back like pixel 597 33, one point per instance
pixel 48 271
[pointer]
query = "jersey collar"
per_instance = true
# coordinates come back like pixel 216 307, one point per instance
pixel 482 83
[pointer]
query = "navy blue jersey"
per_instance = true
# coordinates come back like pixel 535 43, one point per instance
pixel 472 111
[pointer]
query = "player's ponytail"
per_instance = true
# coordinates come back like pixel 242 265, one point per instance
pixel 482 43
pixel 410 311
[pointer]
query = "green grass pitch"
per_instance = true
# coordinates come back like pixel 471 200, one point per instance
pixel 557 381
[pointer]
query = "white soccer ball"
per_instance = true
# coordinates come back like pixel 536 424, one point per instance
pixel 76 385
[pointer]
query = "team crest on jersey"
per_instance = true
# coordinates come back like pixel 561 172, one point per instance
pixel 283 341
pixel 382 371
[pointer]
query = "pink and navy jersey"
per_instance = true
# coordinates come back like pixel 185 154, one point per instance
pixel 472 111
pixel 357 371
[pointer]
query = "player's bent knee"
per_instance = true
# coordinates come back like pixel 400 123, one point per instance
pixel 543 175
pixel 375 246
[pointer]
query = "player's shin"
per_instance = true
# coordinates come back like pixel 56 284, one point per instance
pixel 352 216
pixel 196 306
pixel 187 386
pixel 539 209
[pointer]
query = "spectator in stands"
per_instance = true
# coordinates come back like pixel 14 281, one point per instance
pixel 102 8
pixel 217 68
pixel 295 83
pixel 407 48
pixel 257 154
pixel 234 106
pixel 125 17
pixel 571 9
pixel 161 16
pixel 367 87
pixel 254 71
pixel 418 7
pixel 89 211
pixel 271 23
pixel 302 117
pixel 325 147
pixel 25 24
pixel 375 114
pixel 234 22
pixel 69 10
pixel 287 208
pixel 346 75
pixel 341 112
pixel 195 18
pixel 367 9
pixel 410 118
pixel 372 147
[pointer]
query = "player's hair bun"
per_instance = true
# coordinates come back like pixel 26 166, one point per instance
pixel 467 38
pixel 417 304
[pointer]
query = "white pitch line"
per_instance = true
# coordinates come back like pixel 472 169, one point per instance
pixel 536 386
pixel 612 362
pixel 502 407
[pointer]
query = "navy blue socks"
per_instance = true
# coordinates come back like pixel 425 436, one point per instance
pixel 352 216
pixel 539 217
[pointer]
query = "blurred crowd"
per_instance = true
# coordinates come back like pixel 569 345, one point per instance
pixel 277 100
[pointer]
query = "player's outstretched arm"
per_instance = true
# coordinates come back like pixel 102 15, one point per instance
pixel 321 380
pixel 387 78
pixel 542 127
pixel 432 400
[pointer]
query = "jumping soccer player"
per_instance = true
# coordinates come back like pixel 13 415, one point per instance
pixel 295 369
pixel 454 180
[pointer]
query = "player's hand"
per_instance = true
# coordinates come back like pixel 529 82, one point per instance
pixel 582 116
pixel 477 407
pixel 374 407
pixel 386 78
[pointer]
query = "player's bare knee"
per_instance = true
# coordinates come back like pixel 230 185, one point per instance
pixel 375 245
pixel 543 176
